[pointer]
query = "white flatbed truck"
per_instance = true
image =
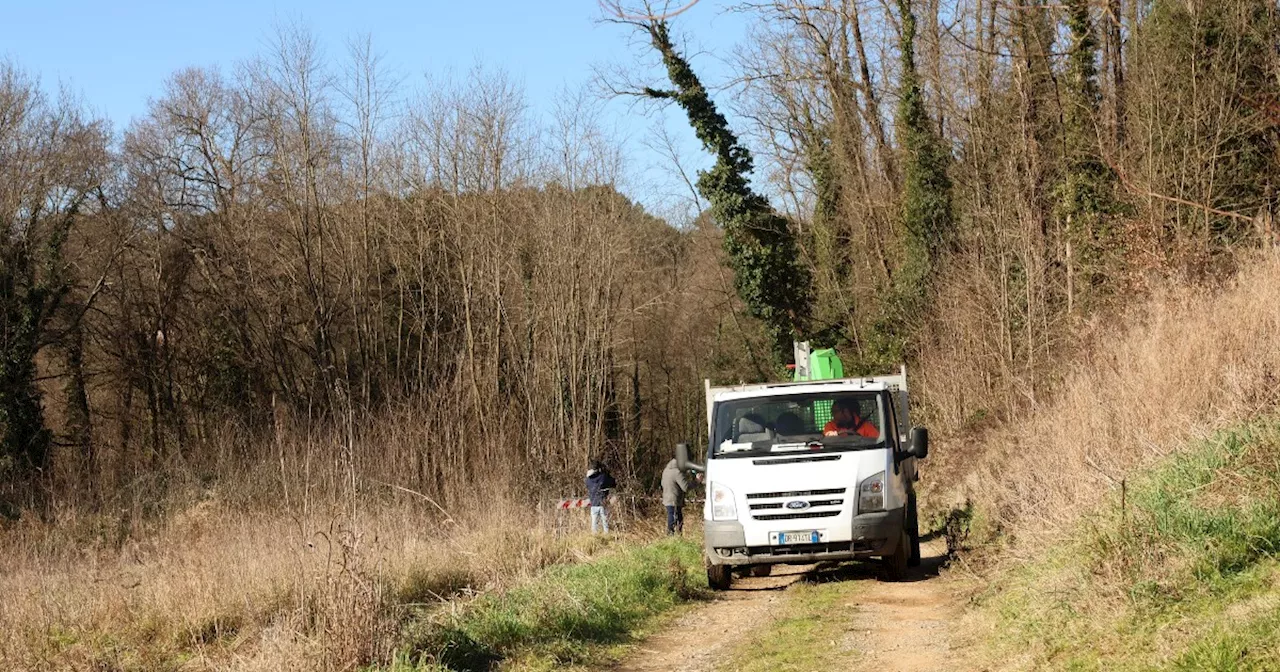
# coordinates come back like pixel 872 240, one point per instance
pixel 785 485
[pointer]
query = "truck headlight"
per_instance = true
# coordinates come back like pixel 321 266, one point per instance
pixel 722 505
pixel 871 494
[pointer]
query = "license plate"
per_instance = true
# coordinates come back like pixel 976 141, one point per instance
pixel 802 537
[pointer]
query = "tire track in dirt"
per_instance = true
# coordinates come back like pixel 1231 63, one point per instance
pixel 895 627
pixel 699 640
pixel 904 626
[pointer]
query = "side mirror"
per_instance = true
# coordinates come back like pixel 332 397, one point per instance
pixel 682 459
pixel 920 442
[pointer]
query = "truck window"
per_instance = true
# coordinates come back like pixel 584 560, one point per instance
pixel 797 422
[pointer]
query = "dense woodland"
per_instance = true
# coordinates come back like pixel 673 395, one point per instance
pixel 296 270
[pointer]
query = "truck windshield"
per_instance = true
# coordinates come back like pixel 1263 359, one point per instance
pixel 810 422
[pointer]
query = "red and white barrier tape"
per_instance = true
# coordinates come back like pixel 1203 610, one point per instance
pixel 583 502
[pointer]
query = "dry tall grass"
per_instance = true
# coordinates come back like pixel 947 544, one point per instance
pixel 321 584
pixel 1186 363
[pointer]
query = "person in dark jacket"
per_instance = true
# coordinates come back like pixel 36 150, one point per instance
pixel 599 483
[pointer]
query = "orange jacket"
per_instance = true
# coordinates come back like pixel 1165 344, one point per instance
pixel 861 427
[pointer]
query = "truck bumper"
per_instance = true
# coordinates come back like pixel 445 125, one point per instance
pixel 873 534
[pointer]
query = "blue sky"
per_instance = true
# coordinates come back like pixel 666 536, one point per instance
pixel 118 54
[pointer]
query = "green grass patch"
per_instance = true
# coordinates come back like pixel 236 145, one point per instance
pixel 816 615
pixel 1183 576
pixel 1248 645
pixel 570 616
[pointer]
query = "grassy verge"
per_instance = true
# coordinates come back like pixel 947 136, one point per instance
pixel 572 616
pixel 807 636
pixel 1183 575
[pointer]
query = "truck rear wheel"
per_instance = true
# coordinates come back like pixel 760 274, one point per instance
pixel 762 570
pixel 718 576
pixel 895 565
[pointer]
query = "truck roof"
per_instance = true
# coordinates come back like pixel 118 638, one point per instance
pixel 896 382
pixel 805 387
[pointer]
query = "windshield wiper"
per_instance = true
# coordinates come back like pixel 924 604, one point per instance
pixel 843 443
pixel 796 446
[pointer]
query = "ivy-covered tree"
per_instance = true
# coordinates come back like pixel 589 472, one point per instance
pixel 926 194
pixel 927 222
pixel 1085 193
pixel 50 161
pixel 32 286
pixel 826 239
pixel 768 273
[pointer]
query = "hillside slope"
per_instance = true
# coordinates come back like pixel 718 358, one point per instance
pixel 1133 522
pixel 1179 368
pixel 1179 574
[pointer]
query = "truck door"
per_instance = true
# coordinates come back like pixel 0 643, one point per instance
pixel 906 465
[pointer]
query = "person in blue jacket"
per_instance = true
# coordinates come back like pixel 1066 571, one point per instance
pixel 599 483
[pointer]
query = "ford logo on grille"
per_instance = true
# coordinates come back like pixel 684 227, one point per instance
pixel 797 505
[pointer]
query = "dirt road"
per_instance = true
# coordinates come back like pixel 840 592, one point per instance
pixel 889 626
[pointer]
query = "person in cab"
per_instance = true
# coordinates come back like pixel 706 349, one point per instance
pixel 846 421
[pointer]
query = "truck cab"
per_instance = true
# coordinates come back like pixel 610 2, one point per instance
pixel 810 471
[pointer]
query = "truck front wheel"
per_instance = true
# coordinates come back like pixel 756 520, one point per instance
pixel 913 532
pixel 718 576
pixel 895 565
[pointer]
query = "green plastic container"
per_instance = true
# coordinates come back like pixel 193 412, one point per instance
pixel 824 364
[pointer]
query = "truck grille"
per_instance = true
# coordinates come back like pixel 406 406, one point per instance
pixel 812 503
pixel 797 493
pixel 794 516
pixel 818 504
